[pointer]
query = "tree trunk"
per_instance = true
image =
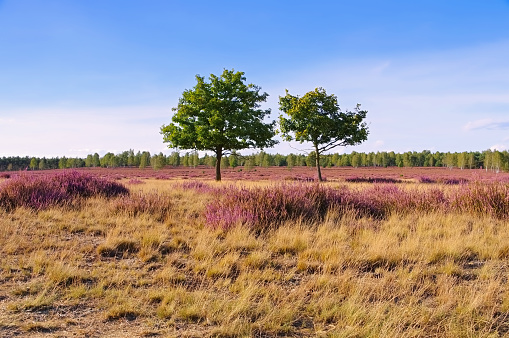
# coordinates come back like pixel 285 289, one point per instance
pixel 219 155
pixel 317 157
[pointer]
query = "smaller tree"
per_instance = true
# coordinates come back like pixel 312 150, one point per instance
pixel 317 118
pixel 233 159
pixel 33 163
pixel 42 164
pixel 88 161
pixel 62 163
pixel 144 160
pixel 158 162
pixel 96 162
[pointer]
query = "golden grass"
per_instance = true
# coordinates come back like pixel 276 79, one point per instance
pixel 99 271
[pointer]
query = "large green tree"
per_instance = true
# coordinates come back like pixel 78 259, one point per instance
pixel 221 116
pixel 317 118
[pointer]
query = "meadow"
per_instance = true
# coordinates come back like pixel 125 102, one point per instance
pixel 376 252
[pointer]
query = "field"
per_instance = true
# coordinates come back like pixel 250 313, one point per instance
pixel 374 252
pixel 277 174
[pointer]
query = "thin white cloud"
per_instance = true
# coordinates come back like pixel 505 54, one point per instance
pixel 380 68
pixel 499 147
pixel 487 124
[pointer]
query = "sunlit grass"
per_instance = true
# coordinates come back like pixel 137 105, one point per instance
pixel 163 270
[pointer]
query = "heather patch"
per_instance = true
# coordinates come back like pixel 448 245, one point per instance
pixel 490 199
pixel 372 180
pixel 197 186
pixel 266 207
pixel 135 181
pixel 65 188
pixel 426 180
pixel 271 206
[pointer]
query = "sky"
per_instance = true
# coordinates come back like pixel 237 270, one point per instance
pixel 79 77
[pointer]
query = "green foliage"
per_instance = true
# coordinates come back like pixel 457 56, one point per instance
pixel 221 115
pixel 88 161
pixel 174 159
pixel 33 163
pixel 42 164
pixel 233 160
pixel 492 160
pixel 62 163
pixel 317 118
pixel 158 161
pixel 144 160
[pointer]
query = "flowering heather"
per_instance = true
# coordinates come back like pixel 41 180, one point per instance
pixel 381 200
pixel 372 180
pixel 482 199
pixel 263 207
pixel 453 181
pixel 426 180
pixel 135 181
pixel 302 178
pixel 65 188
pixel 197 186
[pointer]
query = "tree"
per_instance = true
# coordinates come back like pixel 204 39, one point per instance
pixel 62 163
pixel 42 164
pixel 96 162
pixel 33 163
pixel 221 116
pixel 88 160
pixel 174 159
pixel 317 118
pixel 233 159
pixel 158 162
pixel 144 160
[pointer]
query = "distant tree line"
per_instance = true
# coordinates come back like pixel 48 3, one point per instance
pixel 489 160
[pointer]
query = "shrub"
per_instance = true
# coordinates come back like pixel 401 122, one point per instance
pixel 197 186
pixel 65 188
pixel 482 199
pixel 426 179
pixel 372 180
pixel 453 181
pixel 260 208
pixel 135 181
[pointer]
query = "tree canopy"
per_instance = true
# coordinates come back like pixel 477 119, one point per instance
pixel 317 118
pixel 222 115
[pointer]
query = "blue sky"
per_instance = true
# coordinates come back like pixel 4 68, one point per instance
pixel 78 77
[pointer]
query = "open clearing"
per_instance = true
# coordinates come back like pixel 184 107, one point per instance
pixel 150 265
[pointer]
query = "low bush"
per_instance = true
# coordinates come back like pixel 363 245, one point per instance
pixel 264 207
pixel 491 199
pixel 65 188
pixel 260 208
pixel 135 181
pixel 197 186
pixel 453 181
pixel 426 180
pixel 372 180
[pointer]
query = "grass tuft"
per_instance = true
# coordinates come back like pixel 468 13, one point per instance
pixel 118 247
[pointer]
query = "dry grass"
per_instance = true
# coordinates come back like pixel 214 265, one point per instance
pixel 106 271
